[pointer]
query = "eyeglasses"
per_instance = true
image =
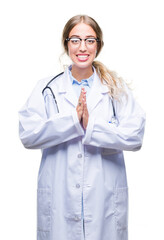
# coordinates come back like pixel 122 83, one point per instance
pixel 75 42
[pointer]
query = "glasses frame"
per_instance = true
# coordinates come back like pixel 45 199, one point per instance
pixel 85 39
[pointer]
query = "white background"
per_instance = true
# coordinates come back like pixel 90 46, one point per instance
pixel 29 50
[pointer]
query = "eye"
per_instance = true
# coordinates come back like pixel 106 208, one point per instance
pixel 90 41
pixel 75 40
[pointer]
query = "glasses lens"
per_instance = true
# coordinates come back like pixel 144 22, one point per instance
pixel 75 41
pixel 90 41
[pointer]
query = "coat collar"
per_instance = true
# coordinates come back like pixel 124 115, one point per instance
pixel 94 97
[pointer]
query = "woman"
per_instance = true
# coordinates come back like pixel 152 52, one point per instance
pixel 82 120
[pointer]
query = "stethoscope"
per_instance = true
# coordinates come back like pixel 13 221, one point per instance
pixel 113 119
pixel 48 87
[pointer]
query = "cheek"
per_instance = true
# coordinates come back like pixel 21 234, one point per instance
pixel 94 52
pixel 71 52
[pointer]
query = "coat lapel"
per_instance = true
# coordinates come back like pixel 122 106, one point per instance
pixel 67 89
pixel 96 93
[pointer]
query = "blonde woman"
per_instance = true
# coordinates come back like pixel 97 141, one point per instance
pixel 82 120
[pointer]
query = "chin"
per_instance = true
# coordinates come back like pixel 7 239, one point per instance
pixel 83 64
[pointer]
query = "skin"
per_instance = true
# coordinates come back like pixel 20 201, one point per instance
pixel 82 67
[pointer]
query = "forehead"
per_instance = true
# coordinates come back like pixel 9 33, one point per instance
pixel 82 30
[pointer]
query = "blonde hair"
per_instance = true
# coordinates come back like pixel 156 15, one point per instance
pixel 107 77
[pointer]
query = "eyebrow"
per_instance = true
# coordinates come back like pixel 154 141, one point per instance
pixel 88 36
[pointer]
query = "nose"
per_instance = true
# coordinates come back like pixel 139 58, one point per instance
pixel 82 47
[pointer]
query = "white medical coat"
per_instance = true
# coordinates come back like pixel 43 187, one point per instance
pixel 76 161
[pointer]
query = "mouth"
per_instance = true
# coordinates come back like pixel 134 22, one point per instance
pixel 82 57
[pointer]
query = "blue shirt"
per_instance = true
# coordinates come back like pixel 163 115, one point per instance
pixel 86 83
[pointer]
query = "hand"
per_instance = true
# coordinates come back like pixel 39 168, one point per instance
pixel 85 115
pixel 82 110
pixel 80 106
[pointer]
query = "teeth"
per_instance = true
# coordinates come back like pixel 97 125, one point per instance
pixel 82 56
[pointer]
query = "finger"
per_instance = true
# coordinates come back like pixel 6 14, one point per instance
pixel 79 113
pixel 83 89
pixel 83 92
pixel 85 116
pixel 79 109
pixel 84 98
pixel 81 97
pixel 85 110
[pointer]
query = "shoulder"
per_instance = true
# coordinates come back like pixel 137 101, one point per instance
pixel 55 79
pixel 44 82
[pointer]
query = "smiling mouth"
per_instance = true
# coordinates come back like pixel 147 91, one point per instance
pixel 82 57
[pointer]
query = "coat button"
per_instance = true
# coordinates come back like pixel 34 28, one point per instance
pixel 79 155
pixel 77 185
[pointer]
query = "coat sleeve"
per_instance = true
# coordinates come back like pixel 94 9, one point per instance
pixel 38 130
pixel 127 135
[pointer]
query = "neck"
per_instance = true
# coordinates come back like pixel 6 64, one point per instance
pixel 81 73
